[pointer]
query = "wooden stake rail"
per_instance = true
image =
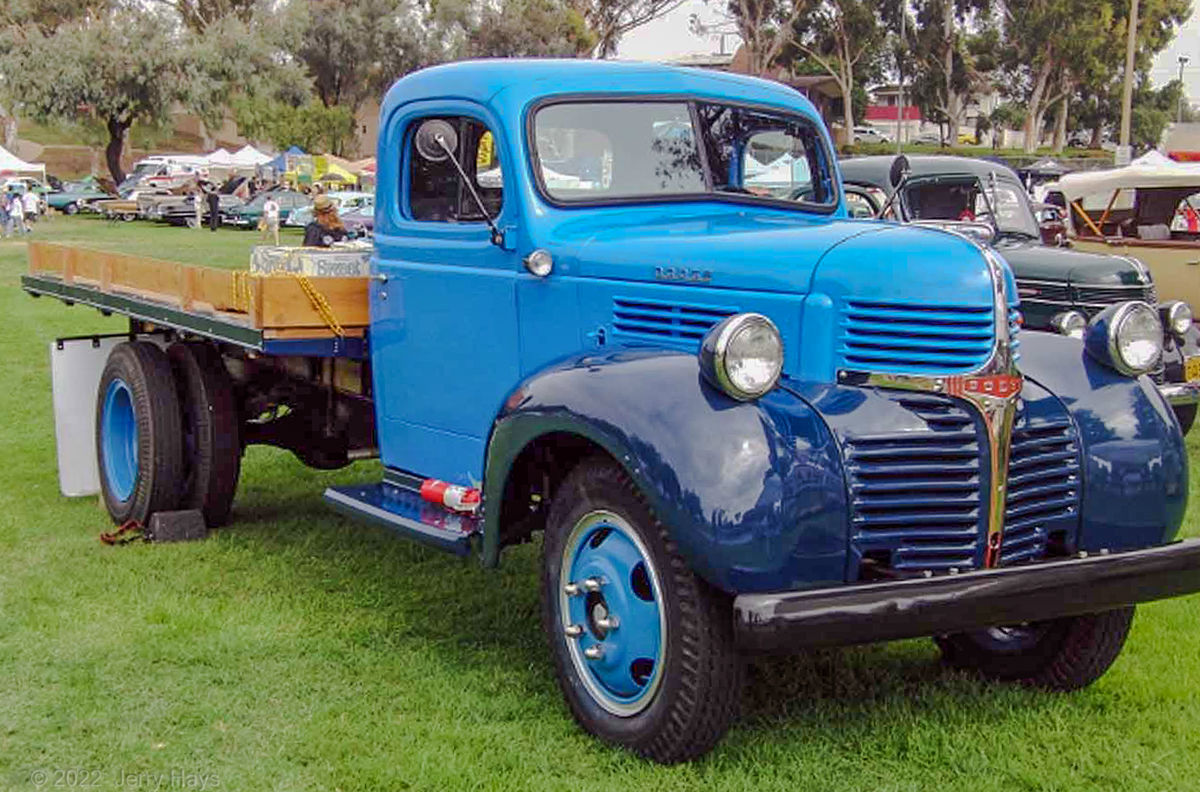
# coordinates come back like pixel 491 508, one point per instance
pixel 276 305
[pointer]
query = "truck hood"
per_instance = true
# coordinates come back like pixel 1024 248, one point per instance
pixel 724 248
pixel 1030 259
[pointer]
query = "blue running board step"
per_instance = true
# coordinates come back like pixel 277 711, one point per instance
pixel 407 513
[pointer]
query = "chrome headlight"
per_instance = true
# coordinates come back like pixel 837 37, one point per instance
pixel 743 356
pixel 1176 316
pixel 1127 337
pixel 1069 323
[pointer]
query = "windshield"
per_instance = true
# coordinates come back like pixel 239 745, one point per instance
pixel 967 199
pixel 623 150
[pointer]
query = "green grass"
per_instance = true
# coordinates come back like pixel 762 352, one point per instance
pixel 296 650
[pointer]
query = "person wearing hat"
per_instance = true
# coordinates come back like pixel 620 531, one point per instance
pixel 326 227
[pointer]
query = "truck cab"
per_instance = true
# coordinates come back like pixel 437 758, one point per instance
pixel 621 309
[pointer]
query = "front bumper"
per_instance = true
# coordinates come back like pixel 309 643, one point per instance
pixel 870 612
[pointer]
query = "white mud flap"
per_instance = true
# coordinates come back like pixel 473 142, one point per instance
pixel 75 368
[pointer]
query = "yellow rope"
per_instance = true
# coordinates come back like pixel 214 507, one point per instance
pixel 319 303
pixel 240 294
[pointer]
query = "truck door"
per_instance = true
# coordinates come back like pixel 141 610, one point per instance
pixel 444 344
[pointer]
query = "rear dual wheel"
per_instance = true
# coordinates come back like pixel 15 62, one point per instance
pixel 166 432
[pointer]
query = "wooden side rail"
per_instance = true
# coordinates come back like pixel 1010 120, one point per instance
pixel 276 304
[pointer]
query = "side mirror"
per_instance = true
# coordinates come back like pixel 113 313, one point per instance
pixel 900 169
pixel 436 140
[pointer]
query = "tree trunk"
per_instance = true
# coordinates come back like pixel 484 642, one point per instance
pixel 1060 125
pixel 953 104
pixel 848 105
pixel 1097 135
pixel 116 145
pixel 1033 116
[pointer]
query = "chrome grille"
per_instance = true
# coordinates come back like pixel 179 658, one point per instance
pixel 916 495
pixel 1108 295
pixel 916 339
pixel 1043 488
pixel 654 320
pixel 1093 298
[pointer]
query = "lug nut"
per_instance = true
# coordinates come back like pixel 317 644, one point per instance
pixel 573 630
pixel 572 590
pixel 608 623
pixel 593 583
pixel 594 652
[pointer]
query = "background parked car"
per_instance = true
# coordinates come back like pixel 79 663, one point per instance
pixel 76 195
pixel 346 201
pixel 868 134
pixel 248 214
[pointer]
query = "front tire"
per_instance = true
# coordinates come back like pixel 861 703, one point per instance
pixel 643 648
pixel 139 438
pixel 1063 654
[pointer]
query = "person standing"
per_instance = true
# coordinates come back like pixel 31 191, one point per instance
pixel 5 219
pixel 214 210
pixel 198 208
pixel 271 219
pixel 17 211
pixel 29 202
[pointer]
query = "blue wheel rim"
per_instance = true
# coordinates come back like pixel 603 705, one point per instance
pixel 603 552
pixel 119 440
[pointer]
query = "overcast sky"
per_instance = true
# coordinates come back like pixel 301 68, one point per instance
pixel 670 37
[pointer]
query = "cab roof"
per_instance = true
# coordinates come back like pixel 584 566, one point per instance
pixel 525 80
pixel 875 171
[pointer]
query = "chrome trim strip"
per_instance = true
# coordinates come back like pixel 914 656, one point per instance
pixel 992 390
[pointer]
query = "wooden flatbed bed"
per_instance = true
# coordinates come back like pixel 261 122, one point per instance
pixel 272 314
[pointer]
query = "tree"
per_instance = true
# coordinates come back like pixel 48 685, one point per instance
pixel 198 15
pixel 951 62
pixel 766 27
pixel 355 49
pixel 609 20
pixel 119 66
pixel 845 38
pixel 311 126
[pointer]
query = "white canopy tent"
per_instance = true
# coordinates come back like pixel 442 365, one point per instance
pixel 1149 170
pixel 11 163
pixel 221 158
pixel 248 156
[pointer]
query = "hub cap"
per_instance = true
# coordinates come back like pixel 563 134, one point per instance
pixel 610 612
pixel 119 440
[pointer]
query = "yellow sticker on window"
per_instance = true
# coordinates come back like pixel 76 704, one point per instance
pixel 486 151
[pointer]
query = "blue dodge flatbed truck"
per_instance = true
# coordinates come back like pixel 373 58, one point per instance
pixel 622 306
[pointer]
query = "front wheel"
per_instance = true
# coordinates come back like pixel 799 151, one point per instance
pixel 71 208
pixel 1062 654
pixel 643 648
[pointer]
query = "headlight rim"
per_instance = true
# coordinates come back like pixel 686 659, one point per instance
pixel 1058 323
pixel 1107 350
pixel 1167 314
pixel 714 351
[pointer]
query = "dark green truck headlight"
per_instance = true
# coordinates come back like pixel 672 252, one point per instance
pixel 1127 337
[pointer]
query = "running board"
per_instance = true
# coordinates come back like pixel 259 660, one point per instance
pixel 407 513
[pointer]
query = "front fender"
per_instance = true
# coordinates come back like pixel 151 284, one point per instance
pixel 752 493
pixel 1135 476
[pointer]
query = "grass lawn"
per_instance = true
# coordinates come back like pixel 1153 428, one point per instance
pixel 296 650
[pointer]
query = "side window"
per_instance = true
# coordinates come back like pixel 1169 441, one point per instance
pixel 859 205
pixel 436 191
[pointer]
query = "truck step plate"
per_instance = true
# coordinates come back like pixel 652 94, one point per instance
pixel 407 513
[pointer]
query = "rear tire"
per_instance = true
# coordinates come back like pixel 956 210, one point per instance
pixel 139 438
pixel 71 208
pixel 668 680
pixel 213 447
pixel 1063 654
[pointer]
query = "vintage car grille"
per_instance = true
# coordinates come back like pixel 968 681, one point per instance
pixel 1043 488
pixel 917 497
pixel 656 321
pixel 1089 298
pixel 915 339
